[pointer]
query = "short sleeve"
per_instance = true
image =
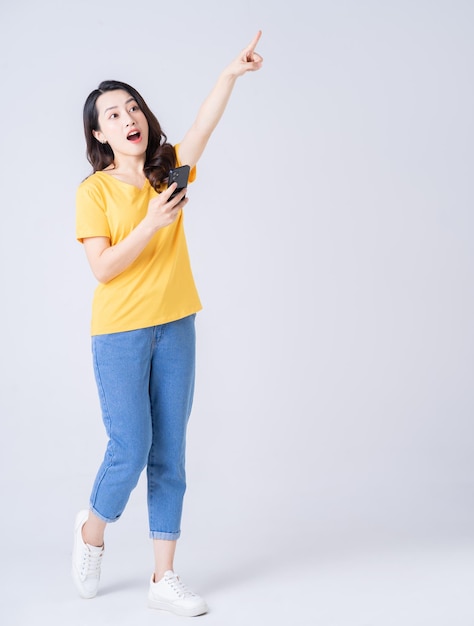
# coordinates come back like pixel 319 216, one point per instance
pixel 91 220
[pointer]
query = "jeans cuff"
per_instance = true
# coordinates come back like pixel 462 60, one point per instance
pixel 167 536
pixel 109 520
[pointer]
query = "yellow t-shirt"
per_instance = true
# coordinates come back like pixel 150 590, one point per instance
pixel 158 287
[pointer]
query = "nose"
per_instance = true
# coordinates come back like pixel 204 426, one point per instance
pixel 129 120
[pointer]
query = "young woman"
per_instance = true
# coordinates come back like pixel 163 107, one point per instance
pixel 143 314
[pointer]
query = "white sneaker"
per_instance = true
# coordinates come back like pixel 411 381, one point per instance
pixel 86 561
pixel 170 594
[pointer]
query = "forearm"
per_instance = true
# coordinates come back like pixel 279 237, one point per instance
pixel 107 261
pixel 209 114
pixel 214 105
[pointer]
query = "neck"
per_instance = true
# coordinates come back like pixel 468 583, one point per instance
pixel 129 164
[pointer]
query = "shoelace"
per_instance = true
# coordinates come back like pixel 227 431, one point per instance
pixel 90 565
pixel 179 588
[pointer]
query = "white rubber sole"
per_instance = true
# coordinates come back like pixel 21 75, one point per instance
pixel 161 605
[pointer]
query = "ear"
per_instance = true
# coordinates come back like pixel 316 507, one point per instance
pixel 99 136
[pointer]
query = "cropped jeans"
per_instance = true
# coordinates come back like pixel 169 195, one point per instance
pixel 145 380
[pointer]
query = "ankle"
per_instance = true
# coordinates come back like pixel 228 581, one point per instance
pixel 92 539
pixel 159 573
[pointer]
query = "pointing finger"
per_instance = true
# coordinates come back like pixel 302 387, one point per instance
pixel 250 49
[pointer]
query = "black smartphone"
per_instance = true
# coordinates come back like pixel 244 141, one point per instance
pixel 179 175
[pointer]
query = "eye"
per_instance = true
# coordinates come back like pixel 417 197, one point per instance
pixel 113 116
pixel 134 108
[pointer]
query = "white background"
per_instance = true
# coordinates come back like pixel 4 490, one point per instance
pixel 330 456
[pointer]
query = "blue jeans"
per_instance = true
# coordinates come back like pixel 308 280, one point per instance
pixel 145 380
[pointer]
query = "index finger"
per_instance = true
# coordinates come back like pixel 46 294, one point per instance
pixel 254 43
pixel 169 190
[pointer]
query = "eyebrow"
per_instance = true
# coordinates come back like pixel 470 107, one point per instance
pixel 116 106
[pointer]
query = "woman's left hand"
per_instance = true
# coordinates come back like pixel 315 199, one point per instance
pixel 248 60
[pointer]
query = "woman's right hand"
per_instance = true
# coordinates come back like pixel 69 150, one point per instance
pixel 162 211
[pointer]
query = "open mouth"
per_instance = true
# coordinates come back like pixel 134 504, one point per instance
pixel 134 136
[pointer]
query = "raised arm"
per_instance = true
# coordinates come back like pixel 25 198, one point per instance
pixel 195 140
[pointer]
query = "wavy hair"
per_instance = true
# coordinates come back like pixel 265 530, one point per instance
pixel 160 155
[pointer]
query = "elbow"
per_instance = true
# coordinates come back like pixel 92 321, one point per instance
pixel 103 276
pixel 102 270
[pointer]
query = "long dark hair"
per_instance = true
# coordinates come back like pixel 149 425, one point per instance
pixel 160 155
